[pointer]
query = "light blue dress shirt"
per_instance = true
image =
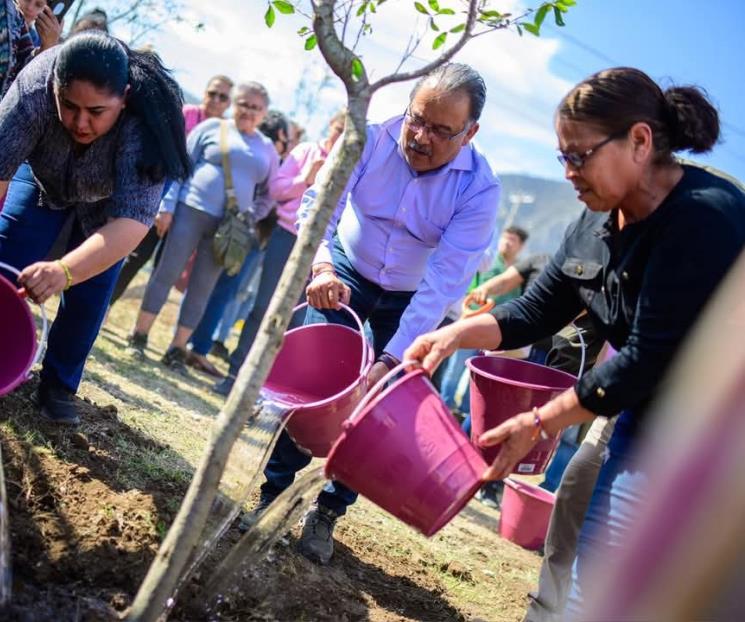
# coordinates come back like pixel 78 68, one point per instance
pixel 406 231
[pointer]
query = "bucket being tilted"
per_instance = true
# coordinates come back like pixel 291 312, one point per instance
pixel 320 375
pixel 20 348
pixel 504 387
pixel 404 450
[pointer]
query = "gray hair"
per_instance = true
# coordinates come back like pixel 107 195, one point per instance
pixel 252 87
pixel 452 77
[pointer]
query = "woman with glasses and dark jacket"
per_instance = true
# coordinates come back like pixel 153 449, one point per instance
pixel 95 128
pixel 643 259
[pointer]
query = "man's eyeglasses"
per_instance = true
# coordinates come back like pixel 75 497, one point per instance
pixel 223 97
pixel 577 160
pixel 417 124
pixel 252 107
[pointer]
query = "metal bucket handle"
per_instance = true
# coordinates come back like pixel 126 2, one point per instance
pixel 41 350
pixel 578 330
pixel 365 350
pixel 367 398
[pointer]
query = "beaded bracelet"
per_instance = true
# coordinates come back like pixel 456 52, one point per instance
pixel 68 274
pixel 539 430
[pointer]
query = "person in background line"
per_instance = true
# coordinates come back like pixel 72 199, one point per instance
pixel 297 173
pixel 97 128
pixel 226 299
pixel 16 46
pixel 43 26
pixel 410 228
pixel 97 19
pixel 214 104
pixel 642 260
pixel 192 211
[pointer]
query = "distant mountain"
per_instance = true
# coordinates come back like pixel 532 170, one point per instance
pixel 543 207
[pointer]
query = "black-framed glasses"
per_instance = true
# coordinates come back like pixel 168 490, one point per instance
pixel 223 97
pixel 417 124
pixel 577 160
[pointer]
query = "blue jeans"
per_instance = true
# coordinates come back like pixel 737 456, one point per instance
pixel 383 310
pixel 225 291
pixel 277 251
pixel 455 367
pixel 615 506
pixel 27 233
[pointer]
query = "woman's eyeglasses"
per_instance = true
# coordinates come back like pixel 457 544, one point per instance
pixel 577 160
pixel 223 97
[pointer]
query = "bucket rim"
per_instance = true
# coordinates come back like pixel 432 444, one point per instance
pixel 527 385
pixel 531 489
pixel 295 408
pixel 5 283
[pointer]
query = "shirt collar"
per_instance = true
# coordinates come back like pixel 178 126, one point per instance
pixel 463 160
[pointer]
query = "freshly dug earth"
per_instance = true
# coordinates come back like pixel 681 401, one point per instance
pixel 89 507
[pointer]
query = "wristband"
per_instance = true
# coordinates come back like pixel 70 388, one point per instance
pixel 68 274
pixel 388 360
pixel 539 430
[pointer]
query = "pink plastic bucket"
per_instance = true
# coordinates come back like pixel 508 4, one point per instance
pixel 504 387
pixel 320 373
pixel 17 335
pixel 403 450
pixel 526 510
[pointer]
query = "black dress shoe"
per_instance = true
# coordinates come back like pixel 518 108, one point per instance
pixel 225 386
pixel 57 405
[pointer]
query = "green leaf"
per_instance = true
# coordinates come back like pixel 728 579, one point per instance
pixel 458 28
pixel 532 29
pixel 561 7
pixel 372 7
pixel 558 18
pixel 540 15
pixel 433 26
pixel 303 31
pixel 357 68
pixel 311 42
pixel 269 16
pixel 491 14
pixel 567 3
pixel 420 7
pixel 434 5
pixel 446 12
pixel 362 9
pixel 284 7
pixel 439 40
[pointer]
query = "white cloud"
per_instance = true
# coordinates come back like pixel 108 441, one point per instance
pixel 516 132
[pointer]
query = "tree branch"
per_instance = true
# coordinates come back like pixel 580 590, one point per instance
pixel 443 58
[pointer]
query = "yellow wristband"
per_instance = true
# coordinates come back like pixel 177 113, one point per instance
pixel 68 274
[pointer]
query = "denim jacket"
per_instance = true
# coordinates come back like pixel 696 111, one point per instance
pixel 643 286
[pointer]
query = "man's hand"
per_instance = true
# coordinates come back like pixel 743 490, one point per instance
pixel 48 27
pixel 377 371
pixel 327 291
pixel 480 295
pixel 43 279
pixel 432 348
pixel 163 223
pixel 517 436
pixel 312 170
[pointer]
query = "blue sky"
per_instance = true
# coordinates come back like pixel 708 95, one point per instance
pixel 679 42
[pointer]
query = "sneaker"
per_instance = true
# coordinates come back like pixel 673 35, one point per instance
pixel 57 405
pixel 220 351
pixel 317 539
pixel 225 386
pixel 136 344
pixel 247 519
pixel 490 493
pixel 175 360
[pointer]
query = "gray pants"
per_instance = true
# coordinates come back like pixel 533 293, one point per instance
pixel 572 500
pixel 191 229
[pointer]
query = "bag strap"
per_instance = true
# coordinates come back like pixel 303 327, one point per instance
pixel 226 170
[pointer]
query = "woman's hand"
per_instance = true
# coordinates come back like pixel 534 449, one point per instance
pixel 517 436
pixel 312 171
pixel 163 222
pixel 327 291
pixel 48 27
pixel 43 279
pixel 432 348
pixel 480 295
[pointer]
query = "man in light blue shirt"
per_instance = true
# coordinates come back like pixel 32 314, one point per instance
pixel 416 217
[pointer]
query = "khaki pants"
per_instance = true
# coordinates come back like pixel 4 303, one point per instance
pixel 572 500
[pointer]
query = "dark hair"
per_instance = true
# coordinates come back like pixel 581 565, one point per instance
pixel 221 78
pixel 452 77
pixel 681 117
pixel 518 231
pixel 154 96
pixel 93 20
pixel 273 123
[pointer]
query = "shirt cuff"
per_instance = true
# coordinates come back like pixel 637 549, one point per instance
pixel 323 254
pixel 398 344
pixel 597 398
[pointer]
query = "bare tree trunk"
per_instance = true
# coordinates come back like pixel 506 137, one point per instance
pixel 183 536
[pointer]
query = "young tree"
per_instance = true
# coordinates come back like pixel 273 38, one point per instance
pixel 337 28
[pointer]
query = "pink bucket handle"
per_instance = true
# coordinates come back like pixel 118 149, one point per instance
pixel 377 388
pixel 365 353
pixel 40 351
